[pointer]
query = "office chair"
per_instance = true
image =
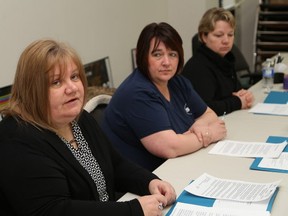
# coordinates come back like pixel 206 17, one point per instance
pixel 97 105
pixel 245 76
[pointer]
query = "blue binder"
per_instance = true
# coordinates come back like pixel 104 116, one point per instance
pixel 277 97
pixel 271 139
pixel 186 197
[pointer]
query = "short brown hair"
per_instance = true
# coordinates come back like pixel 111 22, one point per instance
pixel 162 32
pixel 209 19
pixel 29 97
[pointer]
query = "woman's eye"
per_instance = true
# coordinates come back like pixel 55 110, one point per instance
pixel 173 54
pixel 156 54
pixel 75 77
pixel 56 83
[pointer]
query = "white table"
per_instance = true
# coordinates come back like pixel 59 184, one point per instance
pixel 242 126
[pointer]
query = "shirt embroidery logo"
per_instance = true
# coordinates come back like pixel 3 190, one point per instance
pixel 187 109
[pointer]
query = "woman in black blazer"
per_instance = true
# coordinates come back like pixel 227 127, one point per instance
pixel 54 159
pixel 211 69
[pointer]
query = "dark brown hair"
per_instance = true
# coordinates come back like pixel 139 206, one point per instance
pixel 162 32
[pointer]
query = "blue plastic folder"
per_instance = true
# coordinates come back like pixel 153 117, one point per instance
pixel 271 139
pixel 186 197
pixel 277 97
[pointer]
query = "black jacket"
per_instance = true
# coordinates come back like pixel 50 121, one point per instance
pixel 40 175
pixel 214 78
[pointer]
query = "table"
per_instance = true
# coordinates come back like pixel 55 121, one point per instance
pixel 242 126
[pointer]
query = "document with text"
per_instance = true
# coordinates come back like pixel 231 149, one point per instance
pixel 248 149
pixel 275 163
pixel 271 109
pixel 183 209
pixel 225 189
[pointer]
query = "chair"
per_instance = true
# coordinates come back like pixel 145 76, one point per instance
pixel 97 105
pixel 245 75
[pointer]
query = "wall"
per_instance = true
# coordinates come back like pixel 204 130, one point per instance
pixel 185 18
pixel 248 13
pixel 95 28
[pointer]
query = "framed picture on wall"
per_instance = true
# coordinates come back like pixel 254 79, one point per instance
pixel 133 55
pixel 98 73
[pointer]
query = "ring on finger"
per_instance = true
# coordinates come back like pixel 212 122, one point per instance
pixel 160 206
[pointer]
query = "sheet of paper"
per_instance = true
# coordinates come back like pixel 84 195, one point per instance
pixel 275 163
pixel 259 206
pixel 183 209
pixel 248 149
pixel 212 187
pixel 269 108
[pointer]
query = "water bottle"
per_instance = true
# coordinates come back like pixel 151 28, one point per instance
pixel 268 75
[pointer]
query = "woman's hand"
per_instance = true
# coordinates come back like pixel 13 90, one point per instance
pixel 218 130
pixel 157 186
pixel 162 194
pixel 246 97
pixel 152 204
pixel 209 133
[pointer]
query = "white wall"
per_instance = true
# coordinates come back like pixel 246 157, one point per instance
pixel 184 16
pixel 248 11
pixel 95 28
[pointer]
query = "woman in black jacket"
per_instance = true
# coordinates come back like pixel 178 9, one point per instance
pixel 54 159
pixel 211 69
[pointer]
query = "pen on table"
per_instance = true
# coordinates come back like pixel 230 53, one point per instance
pixel 223 116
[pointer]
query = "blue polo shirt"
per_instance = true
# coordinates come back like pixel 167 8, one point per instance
pixel 137 109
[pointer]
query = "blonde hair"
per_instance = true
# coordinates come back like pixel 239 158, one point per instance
pixel 209 19
pixel 29 97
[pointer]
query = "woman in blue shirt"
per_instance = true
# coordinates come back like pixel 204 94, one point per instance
pixel 155 114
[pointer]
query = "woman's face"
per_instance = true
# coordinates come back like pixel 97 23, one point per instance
pixel 221 39
pixel 162 62
pixel 66 95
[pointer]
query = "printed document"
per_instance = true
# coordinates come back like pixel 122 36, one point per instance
pixel 248 149
pixel 183 209
pixel 212 187
pixel 269 108
pixel 275 163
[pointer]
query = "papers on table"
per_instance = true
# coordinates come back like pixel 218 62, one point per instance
pixel 212 187
pixel 279 164
pixel 276 103
pixel 248 149
pixel 184 209
pixel 271 109
pixel 203 202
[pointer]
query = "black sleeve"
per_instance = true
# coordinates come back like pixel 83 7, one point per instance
pixel 35 182
pixel 209 87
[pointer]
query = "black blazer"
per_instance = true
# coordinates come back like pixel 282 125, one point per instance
pixel 40 175
pixel 214 79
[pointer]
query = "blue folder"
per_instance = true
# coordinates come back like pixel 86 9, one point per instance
pixel 277 97
pixel 186 197
pixel 271 139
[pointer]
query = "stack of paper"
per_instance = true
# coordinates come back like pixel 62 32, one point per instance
pixel 271 155
pixel 208 195
pixel 276 103
pixel 248 149
pixel 279 164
